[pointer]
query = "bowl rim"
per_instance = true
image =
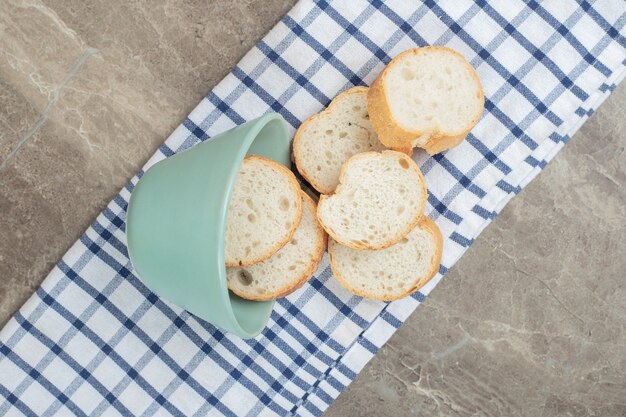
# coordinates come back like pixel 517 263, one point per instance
pixel 251 136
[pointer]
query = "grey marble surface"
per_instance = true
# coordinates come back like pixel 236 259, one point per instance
pixel 530 322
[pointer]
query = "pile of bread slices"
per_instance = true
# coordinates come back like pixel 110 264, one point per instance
pixel 356 153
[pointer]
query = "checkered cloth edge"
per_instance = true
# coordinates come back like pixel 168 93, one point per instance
pixel 93 340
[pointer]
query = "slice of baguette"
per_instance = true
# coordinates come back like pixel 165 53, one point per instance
pixel 289 268
pixel 264 211
pixel 428 97
pixel 391 273
pixel 328 139
pixel 379 199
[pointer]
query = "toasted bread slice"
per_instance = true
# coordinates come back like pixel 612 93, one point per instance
pixel 391 273
pixel 379 200
pixel 429 97
pixel 289 268
pixel 264 211
pixel 326 140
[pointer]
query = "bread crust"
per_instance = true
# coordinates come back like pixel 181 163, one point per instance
pixel 396 137
pixel 296 140
pixel 409 226
pixel 315 262
pixel 294 182
pixel 428 223
pixel 321 239
pixel 425 223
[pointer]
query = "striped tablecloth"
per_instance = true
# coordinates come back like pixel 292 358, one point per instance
pixel 93 340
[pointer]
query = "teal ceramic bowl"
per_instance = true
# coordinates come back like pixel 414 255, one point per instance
pixel 175 224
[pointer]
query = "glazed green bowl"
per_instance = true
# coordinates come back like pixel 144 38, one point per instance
pixel 176 218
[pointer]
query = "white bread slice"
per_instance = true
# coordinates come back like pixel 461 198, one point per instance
pixel 429 97
pixel 328 139
pixel 379 199
pixel 391 273
pixel 264 211
pixel 289 268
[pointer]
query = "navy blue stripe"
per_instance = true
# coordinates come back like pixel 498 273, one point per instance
pixel 567 34
pixel 505 186
pixel 166 150
pixel 19 404
pixel 368 345
pixel 151 344
pixel 510 125
pixel 128 323
pixel 209 350
pixel 323 395
pixel 530 160
pixel 360 340
pixel 353 31
pixel 418 295
pixel 402 24
pixel 583 113
pixel 234 374
pixel 306 395
pixel 311 408
pixel 319 334
pixel 42 380
pixel 328 56
pixel 260 92
pixel 121 202
pixel 297 357
pixel 443 209
pixel 487 57
pixel 129 185
pixel 314 350
pixel 195 129
pixel 342 368
pixel 488 154
pixel 315 385
pixel 342 307
pixel 461 240
pixel 312 347
pixel 225 108
pixel 484 213
pixel 333 382
pixel 110 238
pixel 70 361
pixel 606 88
pixel 288 69
pixel 391 319
pixel 540 56
pixel 459 176
pixel 556 138
pixel 108 350
pixel 612 31
pixel 116 223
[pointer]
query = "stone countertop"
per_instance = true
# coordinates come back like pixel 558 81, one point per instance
pixel 530 322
